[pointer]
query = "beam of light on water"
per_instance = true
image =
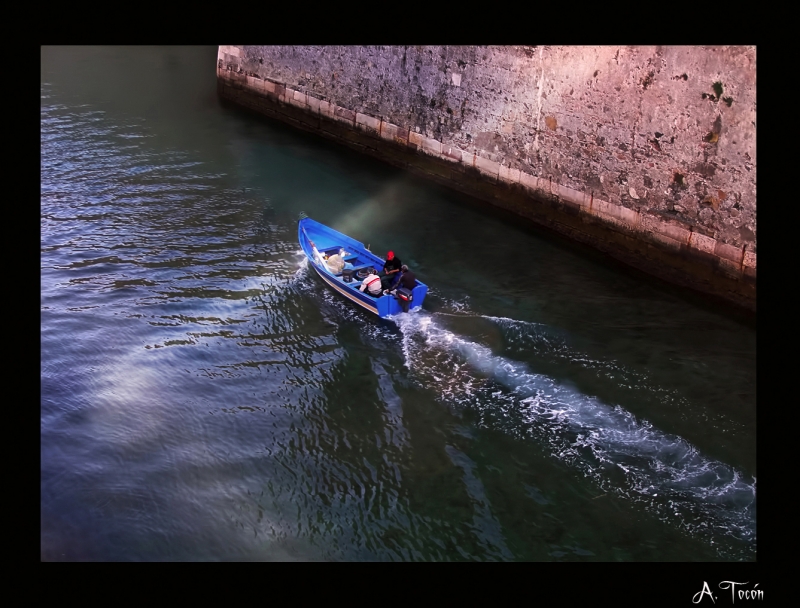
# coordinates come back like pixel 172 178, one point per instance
pixel 375 214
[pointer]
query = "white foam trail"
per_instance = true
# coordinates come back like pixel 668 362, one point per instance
pixel 526 336
pixel 623 454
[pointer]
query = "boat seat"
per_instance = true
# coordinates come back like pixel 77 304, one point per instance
pixel 333 250
pixel 354 269
pixel 361 266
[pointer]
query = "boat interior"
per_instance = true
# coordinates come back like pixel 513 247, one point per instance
pixel 355 263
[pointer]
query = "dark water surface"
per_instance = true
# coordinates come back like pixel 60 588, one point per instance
pixel 204 397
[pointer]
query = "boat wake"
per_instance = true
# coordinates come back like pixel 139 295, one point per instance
pixel 622 454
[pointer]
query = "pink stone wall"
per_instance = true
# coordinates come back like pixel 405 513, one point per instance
pixel 656 142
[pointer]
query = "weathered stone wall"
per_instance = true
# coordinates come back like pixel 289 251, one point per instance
pixel 647 153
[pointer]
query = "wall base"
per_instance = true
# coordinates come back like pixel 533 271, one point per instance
pixel 656 245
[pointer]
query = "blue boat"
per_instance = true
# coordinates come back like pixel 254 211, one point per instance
pixel 319 241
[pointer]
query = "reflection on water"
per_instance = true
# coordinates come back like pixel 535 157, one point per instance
pixel 204 397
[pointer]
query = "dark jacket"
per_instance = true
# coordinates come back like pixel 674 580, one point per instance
pixel 393 264
pixel 408 280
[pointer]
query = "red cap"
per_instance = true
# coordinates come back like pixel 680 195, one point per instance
pixel 390 255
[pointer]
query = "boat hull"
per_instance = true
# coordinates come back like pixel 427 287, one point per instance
pixel 316 239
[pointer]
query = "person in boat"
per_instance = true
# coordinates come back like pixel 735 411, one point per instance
pixel 407 279
pixel 391 271
pixel 372 283
pixel 336 262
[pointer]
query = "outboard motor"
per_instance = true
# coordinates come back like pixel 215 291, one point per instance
pixel 347 275
pixel 404 297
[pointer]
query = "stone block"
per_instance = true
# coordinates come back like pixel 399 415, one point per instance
pixel 608 213
pixel 749 260
pixel 665 241
pixel 730 268
pixel 269 87
pixel 326 108
pixel 529 181
pixel 388 130
pixel 452 153
pixel 629 217
pixel 313 103
pixel 368 122
pixel 675 232
pixel 655 224
pixel 392 132
pixel 568 195
pixel 415 139
pixel 296 98
pixel 508 174
pixel 344 115
pixel 602 208
pixel 728 252
pixel 431 146
pixel 489 167
pixel 702 242
pixel 402 136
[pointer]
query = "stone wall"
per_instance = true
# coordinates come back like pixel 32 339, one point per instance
pixel 647 153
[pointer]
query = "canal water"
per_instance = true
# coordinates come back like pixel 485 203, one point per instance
pixel 204 396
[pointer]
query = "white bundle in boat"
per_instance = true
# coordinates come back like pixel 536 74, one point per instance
pixel 335 263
